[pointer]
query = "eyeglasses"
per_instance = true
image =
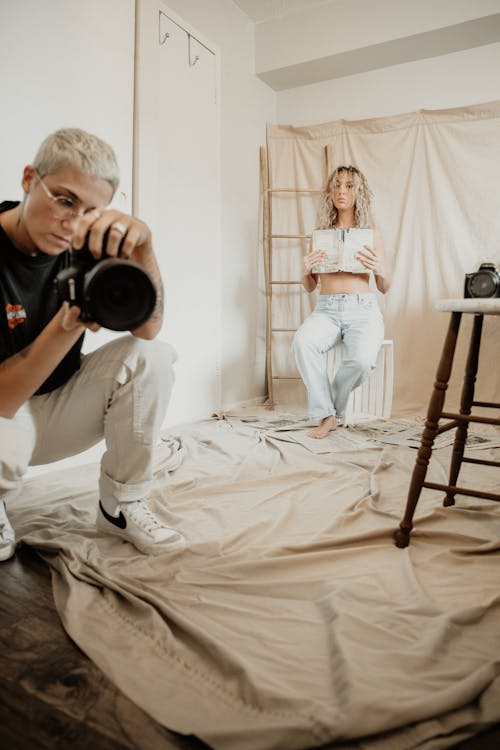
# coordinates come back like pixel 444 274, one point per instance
pixel 63 207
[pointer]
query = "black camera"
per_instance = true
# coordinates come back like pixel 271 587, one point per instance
pixel 116 293
pixel 485 282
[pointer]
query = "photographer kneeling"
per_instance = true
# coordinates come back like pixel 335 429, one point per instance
pixel 54 401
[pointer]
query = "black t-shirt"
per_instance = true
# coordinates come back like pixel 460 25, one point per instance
pixel 29 300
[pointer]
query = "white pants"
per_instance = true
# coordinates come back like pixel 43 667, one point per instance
pixel 355 320
pixel 120 393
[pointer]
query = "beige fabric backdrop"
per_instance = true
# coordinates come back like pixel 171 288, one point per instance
pixel 435 176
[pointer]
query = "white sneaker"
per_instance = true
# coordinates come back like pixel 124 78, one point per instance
pixel 7 536
pixel 137 524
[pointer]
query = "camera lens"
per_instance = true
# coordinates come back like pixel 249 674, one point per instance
pixel 119 294
pixel 483 284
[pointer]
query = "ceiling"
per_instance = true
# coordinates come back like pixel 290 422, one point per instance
pixel 266 10
pixel 285 59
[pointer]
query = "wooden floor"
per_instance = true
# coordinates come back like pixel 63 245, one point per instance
pixel 53 696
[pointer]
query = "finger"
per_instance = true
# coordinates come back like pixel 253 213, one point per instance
pixel 83 227
pixel 70 317
pixel 118 230
pixel 93 327
pixel 366 262
pixel 95 237
pixel 131 240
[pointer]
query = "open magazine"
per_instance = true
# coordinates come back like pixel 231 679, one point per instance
pixel 341 247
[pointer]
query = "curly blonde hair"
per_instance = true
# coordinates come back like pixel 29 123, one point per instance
pixel 362 196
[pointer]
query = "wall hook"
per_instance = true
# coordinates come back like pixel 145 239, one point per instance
pixel 164 35
pixel 191 60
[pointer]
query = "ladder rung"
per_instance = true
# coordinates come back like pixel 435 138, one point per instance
pixel 290 236
pixel 285 282
pixel 287 377
pixel 293 190
pixel 283 329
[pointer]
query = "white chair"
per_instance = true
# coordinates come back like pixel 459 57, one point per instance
pixel 373 398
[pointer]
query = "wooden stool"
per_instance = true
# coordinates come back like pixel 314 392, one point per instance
pixel 460 421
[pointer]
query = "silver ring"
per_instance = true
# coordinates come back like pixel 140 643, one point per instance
pixel 119 227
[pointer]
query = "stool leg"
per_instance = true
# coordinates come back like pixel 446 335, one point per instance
pixel 402 534
pixel 466 400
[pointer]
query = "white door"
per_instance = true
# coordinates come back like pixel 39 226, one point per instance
pixel 177 190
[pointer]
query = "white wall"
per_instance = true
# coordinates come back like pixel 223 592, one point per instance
pixel 52 79
pixel 246 105
pixel 454 80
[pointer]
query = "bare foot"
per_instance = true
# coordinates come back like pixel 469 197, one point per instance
pixel 326 425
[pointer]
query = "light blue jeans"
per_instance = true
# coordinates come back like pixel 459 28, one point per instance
pixel 355 320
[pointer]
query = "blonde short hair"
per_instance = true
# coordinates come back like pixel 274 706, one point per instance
pixel 72 147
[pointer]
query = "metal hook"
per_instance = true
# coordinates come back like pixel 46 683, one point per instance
pixel 162 38
pixel 194 60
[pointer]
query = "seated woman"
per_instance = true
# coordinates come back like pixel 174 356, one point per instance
pixel 347 311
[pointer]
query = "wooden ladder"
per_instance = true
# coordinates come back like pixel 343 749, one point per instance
pixel 268 237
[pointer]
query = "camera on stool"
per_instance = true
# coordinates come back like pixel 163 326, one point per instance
pixel 485 282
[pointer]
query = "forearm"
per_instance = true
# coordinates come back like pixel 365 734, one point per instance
pixel 152 326
pixel 383 282
pixel 22 374
pixel 309 281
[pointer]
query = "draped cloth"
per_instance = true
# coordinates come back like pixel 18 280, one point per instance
pixel 290 620
pixel 434 175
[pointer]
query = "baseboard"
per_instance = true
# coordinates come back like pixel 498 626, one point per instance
pixel 258 401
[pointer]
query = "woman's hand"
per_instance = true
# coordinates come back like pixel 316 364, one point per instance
pixel 128 237
pixel 371 260
pixel 374 259
pixel 70 319
pixel 314 258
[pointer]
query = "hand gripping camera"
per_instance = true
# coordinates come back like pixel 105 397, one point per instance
pixel 485 282
pixel 116 293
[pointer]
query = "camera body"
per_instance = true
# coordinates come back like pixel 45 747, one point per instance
pixel 485 282
pixel 116 293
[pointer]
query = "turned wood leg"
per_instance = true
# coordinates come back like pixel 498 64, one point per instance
pixel 402 533
pixel 466 400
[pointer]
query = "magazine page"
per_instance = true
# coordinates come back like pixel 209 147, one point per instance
pixel 341 247
pixel 354 240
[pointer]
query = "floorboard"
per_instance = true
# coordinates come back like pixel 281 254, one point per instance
pixel 53 697
pixel 51 694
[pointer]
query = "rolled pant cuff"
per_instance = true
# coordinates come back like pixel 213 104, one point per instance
pixel 112 492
